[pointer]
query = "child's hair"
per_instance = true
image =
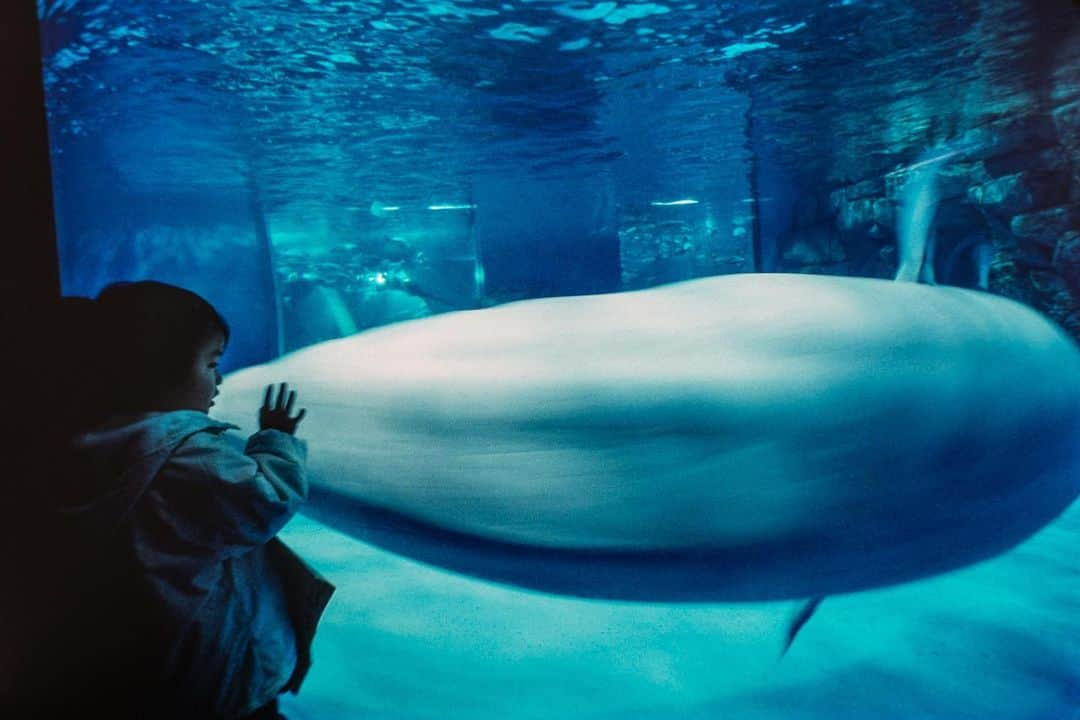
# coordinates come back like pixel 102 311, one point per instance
pixel 150 333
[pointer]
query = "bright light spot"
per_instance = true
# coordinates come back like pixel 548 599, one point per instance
pixel 519 33
pixel 737 49
pixel 379 210
pixel 634 12
pixel 923 163
pixel 451 207
pixel 790 28
pixel 659 203
pixel 573 45
pixel 597 12
pixel 343 59
pixel 380 279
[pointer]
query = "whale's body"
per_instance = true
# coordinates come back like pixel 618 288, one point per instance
pixel 747 437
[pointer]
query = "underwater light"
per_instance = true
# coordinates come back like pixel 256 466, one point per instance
pixel 451 207
pixel 924 162
pixel 660 203
pixel 379 210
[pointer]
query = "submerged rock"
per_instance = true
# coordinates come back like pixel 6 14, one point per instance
pixel 1021 192
pixel 1028 133
pixel 813 246
pixel 954 180
pixel 863 213
pixel 866 189
pixel 1067 122
pixel 1066 260
pixel 1051 158
pixel 1046 226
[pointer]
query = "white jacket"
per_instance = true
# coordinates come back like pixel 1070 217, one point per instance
pixel 212 614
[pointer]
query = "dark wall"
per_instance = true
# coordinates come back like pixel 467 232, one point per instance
pixel 30 246
pixel 29 286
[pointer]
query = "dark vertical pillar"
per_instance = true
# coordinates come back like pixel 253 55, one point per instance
pixel 31 271
pixel 29 281
pixel 739 81
pixel 755 202
pixel 773 189
pixel 272 334
pixel 479 273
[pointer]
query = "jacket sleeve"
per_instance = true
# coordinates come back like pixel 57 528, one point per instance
pixel 214 499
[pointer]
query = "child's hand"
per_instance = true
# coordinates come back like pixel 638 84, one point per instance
pixel 276 416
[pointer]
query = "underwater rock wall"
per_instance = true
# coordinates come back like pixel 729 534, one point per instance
pixel 1009 198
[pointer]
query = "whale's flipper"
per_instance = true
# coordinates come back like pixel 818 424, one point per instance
pixel 801 618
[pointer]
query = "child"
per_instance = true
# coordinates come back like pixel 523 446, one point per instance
pixel 178 599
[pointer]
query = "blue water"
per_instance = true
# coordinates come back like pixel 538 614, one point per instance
pixel 319 168
pixel 181 130
pixel 400 640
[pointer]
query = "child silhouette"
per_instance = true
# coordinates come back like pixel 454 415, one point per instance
pixel 177 599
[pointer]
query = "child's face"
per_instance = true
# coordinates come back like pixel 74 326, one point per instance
pixel 198 392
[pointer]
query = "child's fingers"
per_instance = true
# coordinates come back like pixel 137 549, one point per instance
pixel 282 393
pixel 300 415
pixel 289 402
pixel 269 393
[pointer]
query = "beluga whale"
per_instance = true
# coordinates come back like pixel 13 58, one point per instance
pixel 738 438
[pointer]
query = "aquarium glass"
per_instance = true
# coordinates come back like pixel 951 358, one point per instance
pixel 320 169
